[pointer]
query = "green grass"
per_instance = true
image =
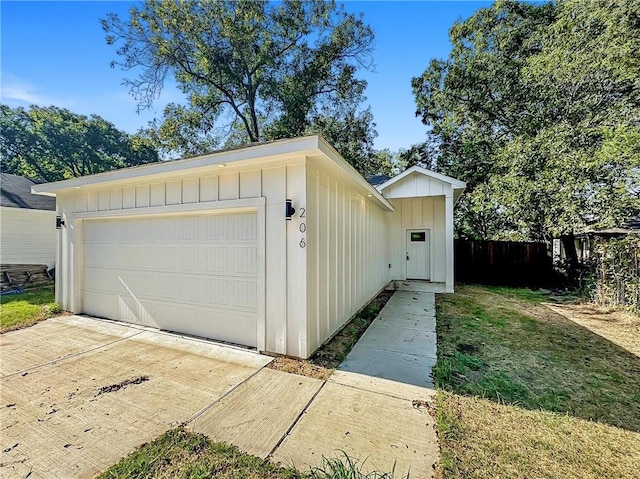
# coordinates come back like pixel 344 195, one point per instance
pixel 180 453
pixel 22 310
pixel 345 467
pixel 184 454
pixel 570 395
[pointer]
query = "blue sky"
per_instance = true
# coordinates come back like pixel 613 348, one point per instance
pixel 54 53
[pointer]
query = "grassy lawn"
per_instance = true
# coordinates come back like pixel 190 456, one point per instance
pixel 22 310
pixel 527 392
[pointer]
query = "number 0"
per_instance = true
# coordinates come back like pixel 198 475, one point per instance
pixel 303 227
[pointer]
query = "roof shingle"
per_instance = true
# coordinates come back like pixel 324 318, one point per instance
pixel 16 193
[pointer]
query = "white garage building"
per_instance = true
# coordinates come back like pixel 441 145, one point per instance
pixel 203 246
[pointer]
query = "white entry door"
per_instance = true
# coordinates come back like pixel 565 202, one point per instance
pixel 418 261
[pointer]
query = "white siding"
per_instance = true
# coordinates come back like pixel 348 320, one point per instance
pixel 27 236
pixel 415 185
pixel 416 213
pixel 346 241
pixel 314 272
pixel 284 272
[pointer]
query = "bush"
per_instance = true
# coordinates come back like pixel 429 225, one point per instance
pixel 616 272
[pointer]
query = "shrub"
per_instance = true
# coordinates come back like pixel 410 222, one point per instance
pixel 616 272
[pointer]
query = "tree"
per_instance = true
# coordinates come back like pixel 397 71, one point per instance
pixel 51 144
pixel 420 154
pixel 537 108
pixel 351 133
pixel 250 70
pixel 386 163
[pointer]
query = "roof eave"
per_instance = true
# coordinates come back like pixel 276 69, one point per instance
pixel 331 152
pixel 298 146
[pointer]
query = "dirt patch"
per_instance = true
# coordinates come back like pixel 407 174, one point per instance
pixel 618 326
pixel 332 353
pixel 121 385
pixel 300 367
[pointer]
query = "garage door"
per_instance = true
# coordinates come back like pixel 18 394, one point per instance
pixel 190 274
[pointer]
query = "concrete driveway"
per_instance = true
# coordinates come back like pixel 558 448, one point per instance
pixel 77 394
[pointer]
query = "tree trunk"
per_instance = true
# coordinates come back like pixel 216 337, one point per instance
pixel 569 243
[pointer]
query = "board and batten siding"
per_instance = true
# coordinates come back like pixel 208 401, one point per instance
pixel 416 185
pixel 284 278
pixel 417 213
pixel 346 240
pixel 27 236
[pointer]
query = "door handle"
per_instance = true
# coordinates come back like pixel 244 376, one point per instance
pixel 407 256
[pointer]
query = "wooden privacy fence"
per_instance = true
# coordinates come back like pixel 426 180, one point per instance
pixel 507 263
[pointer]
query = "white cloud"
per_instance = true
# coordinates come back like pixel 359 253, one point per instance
pixel 18 92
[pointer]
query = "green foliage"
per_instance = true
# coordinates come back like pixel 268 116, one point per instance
pixel 347 468
pixel 180 453
pixel 351 133
pixel 423 154
pixel 538 109
pixel 385 162
pixel 51 144
pixel 25 309
pixel 250 71
pixel 616 276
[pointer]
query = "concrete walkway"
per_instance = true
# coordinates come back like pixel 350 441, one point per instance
pixel 56 422
pixel 370 408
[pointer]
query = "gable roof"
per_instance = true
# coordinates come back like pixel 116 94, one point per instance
pixel 455 184
pixel 16 193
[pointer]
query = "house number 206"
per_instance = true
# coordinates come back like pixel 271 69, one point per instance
pixel 302 228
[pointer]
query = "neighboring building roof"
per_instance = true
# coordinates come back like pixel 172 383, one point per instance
pixel 16 193
pixel 632 225
pixel 376 180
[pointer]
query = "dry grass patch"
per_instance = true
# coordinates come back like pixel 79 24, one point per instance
pixel 483 439
pixel 527 385
pixel 618 326
pixel 332 353
pixel 300 367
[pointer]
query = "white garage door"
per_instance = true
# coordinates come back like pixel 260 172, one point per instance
pixel 191 274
